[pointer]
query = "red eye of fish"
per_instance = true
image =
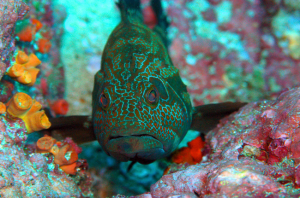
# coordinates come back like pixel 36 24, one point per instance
pixel 152 96
pixel 103 100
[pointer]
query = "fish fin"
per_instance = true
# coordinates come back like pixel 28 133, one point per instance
pixel 206 117
pixel 162 22
pixel 130 10
pixel 130 166
pixel 79 128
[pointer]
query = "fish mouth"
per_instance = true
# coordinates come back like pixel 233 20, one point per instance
pixel 135 135
pixel 143 148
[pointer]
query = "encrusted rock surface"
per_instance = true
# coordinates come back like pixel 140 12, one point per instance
pixel 252 153
pixel 10 12
pixel 27 174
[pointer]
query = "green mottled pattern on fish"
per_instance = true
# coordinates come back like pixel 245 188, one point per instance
pixel 141 108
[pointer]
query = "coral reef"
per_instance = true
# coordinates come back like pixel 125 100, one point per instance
pixel 231 51
pixel 252 153
pixel 24 70
pixel 225 50
pixel 38 36
pixel 65 153
pixel 26 169
pixel 28 174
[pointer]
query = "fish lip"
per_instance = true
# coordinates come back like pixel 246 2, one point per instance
pixel 134 135
pixel 121 148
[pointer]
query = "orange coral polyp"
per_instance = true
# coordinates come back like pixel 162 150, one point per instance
pixel 32 62
pixel 33 73
pixel 65 156
pixel 24 101
pixel 16 70
pixel 19 104
pixel 44 144
pixel 2 108
pixel 24 70
pixel 45 123
pixel 54 150
pixel 23 106
pixel 36 121
pixel 22 57
pixel 25 78
pixel 69 169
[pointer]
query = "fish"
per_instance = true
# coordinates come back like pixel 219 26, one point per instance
pixel 141 109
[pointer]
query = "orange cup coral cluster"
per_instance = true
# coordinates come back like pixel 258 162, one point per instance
pixel 191 154
pixel 24 70
pixel 27 34
pixel 23 106
pixel 65 155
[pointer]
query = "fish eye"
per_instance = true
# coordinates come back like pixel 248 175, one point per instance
pixel 104 100
pixel 152 95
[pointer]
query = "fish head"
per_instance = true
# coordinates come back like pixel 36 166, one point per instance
pixel 141 108
pixel 140 117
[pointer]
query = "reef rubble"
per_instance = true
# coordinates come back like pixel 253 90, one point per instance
pixel 27 61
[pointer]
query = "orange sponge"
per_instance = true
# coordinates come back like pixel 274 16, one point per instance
pixel 23 106
pixel 191 154
pixel 44 45
pixel 183 155
pixel 24 70
pixel 27 34
pixel 38 24
pixel 60 106
pixel 196 145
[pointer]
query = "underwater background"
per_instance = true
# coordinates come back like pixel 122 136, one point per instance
pixel 225 50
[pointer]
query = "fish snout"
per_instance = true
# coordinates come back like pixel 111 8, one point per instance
pixel 140 148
